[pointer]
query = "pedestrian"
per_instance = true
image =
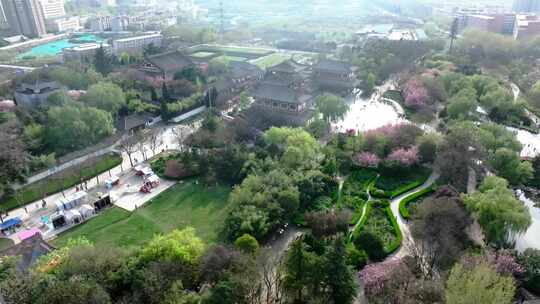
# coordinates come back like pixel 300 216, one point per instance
pixel 25 210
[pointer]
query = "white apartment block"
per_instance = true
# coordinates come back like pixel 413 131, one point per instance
pixel 62 25
pixel 136 44
pixel 53 8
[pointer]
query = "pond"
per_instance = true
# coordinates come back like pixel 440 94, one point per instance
pixel 54 48
pixel 370 113
pixel 531 238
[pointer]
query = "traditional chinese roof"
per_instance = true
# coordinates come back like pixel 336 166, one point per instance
pixel 239 69
pixel 284 67
pixel 334 66
pixel 170 62
pixel 126 123
pixel 29 250
pixel 275 92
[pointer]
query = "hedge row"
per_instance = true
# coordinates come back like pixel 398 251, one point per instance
pixel 404 203
pixel 399 236
pixel 392 247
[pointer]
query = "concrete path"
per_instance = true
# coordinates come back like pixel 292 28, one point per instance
pixel 394 205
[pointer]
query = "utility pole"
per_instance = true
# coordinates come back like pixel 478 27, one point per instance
pixel 221 23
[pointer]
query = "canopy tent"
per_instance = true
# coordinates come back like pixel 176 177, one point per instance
pixel 146 171
pixel 9 224
pixel 86 210
pixel 73 216
pixel 70 201
pixel 153 179
pixel 26 234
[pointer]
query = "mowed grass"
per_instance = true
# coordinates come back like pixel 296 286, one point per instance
pixel 5 243
pixel 180 206
pixel 271 60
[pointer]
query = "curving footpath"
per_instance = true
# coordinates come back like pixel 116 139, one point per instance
pixel 394 205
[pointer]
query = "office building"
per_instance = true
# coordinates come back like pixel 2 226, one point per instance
pixel 136 44
pixel 25 17
pixel 53 8
pixel 63 24
pixel 526 26
pixel 526 6
pixel 100 24
pixel 119 23
pixel 84 52
pixel 3 21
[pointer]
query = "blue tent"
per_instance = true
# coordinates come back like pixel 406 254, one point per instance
pixel 10 223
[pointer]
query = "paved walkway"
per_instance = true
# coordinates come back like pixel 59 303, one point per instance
pixel 31 213
pixel 407 241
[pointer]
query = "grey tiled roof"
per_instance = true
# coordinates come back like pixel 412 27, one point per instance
pixel 275 92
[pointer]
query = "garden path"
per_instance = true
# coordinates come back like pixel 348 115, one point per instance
pixel 394 205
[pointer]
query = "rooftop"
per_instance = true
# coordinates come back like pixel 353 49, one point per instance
pixel 334 65
pixel 156 35
pixel 275 92
pixel 170 61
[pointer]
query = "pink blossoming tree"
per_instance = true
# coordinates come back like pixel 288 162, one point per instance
pixel 367 159
pixel 375 276
pixel 404 157
pixel 415 93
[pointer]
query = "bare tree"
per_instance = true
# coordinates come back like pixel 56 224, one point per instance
pixel 155 140
pixel 271 277
pixel 141 137
pixel 181 133
pixel 128 144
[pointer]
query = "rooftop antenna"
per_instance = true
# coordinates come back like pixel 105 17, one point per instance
pixel 221 25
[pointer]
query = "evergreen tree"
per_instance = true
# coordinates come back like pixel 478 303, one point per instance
pixel 165 93
pixel 339 277
pixel 153 94
pixel 102 61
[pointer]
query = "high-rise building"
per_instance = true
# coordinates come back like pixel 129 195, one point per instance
pixel 3 20
pixel 25 17
pixel 526 6
pixel 53 8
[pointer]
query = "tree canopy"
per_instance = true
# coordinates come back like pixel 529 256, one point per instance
pixel 498 211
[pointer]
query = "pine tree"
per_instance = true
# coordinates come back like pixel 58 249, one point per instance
pixel 153 94
pixel 102 61
pixel 165 93
pixel 339 277
pixel 453 33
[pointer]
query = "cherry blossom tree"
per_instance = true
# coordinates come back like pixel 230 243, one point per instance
pixel 367 159
pixel 415 93
pixel 376 276
pixel 404 157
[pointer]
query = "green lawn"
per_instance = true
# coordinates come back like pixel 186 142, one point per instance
pixel 271 60
pixel 5 243
pixel 230 58
pixel 180 206
pixel 240 49
pixel 62 180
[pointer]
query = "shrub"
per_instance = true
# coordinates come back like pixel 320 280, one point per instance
pixel 356 258
pixel 247 244
pixel 399 237
pixel 381 203
pixel 378 193
pixel 371 244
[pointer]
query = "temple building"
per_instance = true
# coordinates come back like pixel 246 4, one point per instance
pixel 334 76
pixel 164 66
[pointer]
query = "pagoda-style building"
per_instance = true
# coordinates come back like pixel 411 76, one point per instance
pixel 283 89
pixel 163 66
pixel 335 76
